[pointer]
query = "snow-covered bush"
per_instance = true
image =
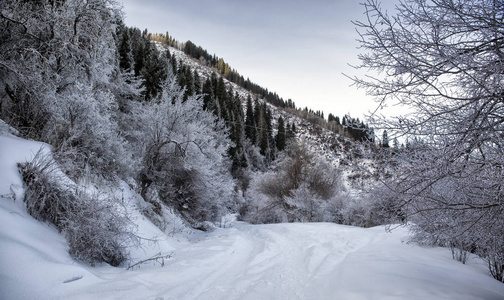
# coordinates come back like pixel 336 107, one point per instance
pixel 359 211
pixel 306 205
pixel 298 190
pixel 45 200
pixel 94 228
pixel 494 257
pixel 97 230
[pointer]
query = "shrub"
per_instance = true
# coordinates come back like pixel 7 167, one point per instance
pixel 94 228
pixel 299 189
pixel 45 200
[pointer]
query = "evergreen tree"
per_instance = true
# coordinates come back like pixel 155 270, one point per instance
pixel 396 144
pixel 237 134
pixel 169 57
pixel 385 141
pixel 257 119
pixel 196 83
pixel 288 132
pixel 269 130
pixel 208 95
pixel 126 61
pixel 250 125
pixel 330 117
pixel 174 66
pixel 153 73
pixel 265 138
pixel 189 84
pixel 138 44
pixel 281 135
pixel 221 98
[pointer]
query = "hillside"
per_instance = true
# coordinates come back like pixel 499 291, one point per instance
pixel 334 147
pixel 241 261
pixel 355 160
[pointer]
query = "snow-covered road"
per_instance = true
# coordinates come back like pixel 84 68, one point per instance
pixel 298 261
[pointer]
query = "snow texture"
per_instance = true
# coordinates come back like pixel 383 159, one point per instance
pixel 280 261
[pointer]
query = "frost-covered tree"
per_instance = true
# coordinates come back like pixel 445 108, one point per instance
pixel 58 65
pixel 444 60
pixel 184 151
pixel 48 46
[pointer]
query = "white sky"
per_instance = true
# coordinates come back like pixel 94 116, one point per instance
pixel 298 49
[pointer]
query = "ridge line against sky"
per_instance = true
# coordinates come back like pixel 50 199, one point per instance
pixel 298 49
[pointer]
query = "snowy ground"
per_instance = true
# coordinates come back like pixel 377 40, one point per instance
pixel 283 261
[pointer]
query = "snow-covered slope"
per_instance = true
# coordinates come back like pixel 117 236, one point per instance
pixel 283 261
pixel 334 148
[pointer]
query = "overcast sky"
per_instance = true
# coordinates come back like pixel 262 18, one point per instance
pixel 298 49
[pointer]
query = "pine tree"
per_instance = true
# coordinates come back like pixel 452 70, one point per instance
pixel 153 73
pixel 169 56
pixel 196 83
pixel 189 84
pixel 221 97
pixel 288 132
pixel 257 120
pixel 269 130
pixel 138 45
pixel 237 134
pixel 281 135
pixel 385 141
pixel 126 61
pixel 250 125
pixel 265 138
pixel 174 66
pixel 208 95
pixel 396 144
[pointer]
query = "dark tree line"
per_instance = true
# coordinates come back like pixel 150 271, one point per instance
pixel 232 75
